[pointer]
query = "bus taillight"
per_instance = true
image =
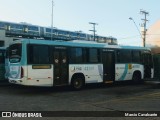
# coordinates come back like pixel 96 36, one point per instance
pixel 22 72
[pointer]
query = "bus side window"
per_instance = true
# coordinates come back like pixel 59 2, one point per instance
pixel 118 56
pixel 93 55
pixel 85 55
pixel 75 55
pixel 124 56
pixel 136 57
pixel 38 54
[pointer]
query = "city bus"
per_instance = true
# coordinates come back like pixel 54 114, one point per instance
pixel 76 63
pixel 2 63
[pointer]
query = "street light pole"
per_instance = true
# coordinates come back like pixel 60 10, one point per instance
pixel 52 21
pixel 136 26
pixel 94 29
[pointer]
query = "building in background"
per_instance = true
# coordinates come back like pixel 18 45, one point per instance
pixel 5 41
pixel 12 31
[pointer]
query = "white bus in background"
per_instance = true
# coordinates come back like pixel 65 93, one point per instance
pixel 76 63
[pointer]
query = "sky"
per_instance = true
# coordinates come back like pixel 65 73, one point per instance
pixel 112 16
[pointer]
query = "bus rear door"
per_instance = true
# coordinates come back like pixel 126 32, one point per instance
pixel 148 64
pixel 60 70
pixel 108 60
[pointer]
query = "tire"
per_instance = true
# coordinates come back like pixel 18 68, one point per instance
pixel 77 83
pixel 136 77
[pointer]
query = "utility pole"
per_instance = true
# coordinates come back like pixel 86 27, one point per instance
pixel 143 12
pixel 52 21
pixel 94 29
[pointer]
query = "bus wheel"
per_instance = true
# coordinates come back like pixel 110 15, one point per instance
pixel 77 83
pixel 136 77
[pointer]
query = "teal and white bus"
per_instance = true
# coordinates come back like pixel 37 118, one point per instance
pixel 76 63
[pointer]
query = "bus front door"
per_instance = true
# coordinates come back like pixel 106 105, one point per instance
pixel 108 66
pixel 60 70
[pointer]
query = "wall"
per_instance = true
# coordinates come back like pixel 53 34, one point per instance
pixel 6 40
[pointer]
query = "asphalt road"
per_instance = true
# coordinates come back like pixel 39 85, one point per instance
pixel 118 97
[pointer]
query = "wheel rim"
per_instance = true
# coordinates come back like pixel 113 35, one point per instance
pixel 78 83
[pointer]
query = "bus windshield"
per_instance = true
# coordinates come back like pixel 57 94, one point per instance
pixel 15 53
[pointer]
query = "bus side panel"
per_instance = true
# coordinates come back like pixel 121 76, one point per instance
pixel 93 73
pixel 125 71
pixel 40 75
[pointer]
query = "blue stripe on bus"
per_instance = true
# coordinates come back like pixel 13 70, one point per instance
pixel 124 73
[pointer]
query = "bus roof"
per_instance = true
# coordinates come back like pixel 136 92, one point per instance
pixel 77 43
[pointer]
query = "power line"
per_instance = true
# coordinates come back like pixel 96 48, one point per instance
pixel 152 34
pixel 129 37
